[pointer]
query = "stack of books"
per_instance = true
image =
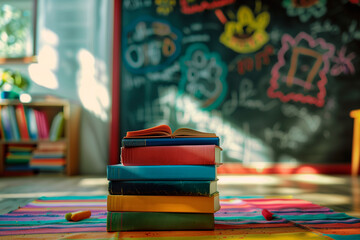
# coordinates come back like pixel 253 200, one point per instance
pixel 166 181
pixel 49 156
pixel 18 157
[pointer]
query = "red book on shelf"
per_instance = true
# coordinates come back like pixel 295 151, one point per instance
pixel 22 123
pixel 171 155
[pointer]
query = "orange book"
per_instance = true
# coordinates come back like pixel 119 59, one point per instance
pixel 145 203
pixel 21 119
pixel 165 131
pixel 171 155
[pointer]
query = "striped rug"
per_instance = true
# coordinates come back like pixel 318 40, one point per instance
pixel 239 218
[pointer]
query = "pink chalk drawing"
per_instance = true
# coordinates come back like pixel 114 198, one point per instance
pixel 343 63
pixel 300 73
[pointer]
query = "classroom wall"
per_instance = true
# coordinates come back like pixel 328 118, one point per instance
pixel 74 56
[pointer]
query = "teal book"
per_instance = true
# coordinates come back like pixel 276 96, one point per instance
pixel 170 188
pixel 155 221
pixel 161 172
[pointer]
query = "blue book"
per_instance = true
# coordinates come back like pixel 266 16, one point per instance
pixel 161 172
pixel 143 142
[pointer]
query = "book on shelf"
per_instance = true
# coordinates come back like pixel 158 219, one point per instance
pixel 31 120
pixel 150 203
pixel 22 123
pixel 175 188
pixel 6 123
pixel 57 127
pixel 146 142
pixel 13 122
pixel 161 172
pixel 158 221
pixel 171 155
pixel 165 131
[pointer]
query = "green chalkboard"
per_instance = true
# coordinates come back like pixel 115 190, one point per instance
pixel 276 80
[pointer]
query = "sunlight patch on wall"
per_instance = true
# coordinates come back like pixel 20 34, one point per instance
pixel 42 72
pixel 235 138
pixel 92 83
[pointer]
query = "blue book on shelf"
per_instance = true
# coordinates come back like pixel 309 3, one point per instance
pixel 161 172
pixel 142 142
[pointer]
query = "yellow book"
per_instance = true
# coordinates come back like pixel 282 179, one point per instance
pixel 145 203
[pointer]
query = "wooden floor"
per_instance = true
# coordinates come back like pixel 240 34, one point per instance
pixel 340 193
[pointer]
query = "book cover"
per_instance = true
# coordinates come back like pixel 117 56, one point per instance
pixel 145 142
pixel 1 127
pixel 156 221
pixel 175 188
pixel 161 172
pixel 144 203
pixel 57 127
pixel 6 123
pixel 171 155
pixel 14 126
pixel 165 131
pixel 21 120
pixel 32 125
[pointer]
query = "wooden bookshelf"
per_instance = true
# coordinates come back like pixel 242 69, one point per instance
pixel 69 135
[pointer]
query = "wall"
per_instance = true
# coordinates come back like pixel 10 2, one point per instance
pixel 74 44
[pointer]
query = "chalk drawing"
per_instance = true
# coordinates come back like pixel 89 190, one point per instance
pixel 343 64
pixel 195 6
pixel 136 4
pixel 247 34
pixel 303 63
pixel 150 45
pixel 285 139
pixel 312 121
pixel 164 7
pixel 248 64
pixel 324 27
pixel 246 97
pixel 203 75
pixel 305 9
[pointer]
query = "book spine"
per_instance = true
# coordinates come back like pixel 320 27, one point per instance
pixel 151 221
pixel 141 203
pixel 169 155
pixel 166 172
pixel 166 188
pixel 143 142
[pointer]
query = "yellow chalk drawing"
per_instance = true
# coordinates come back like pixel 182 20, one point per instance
pixel 164 7
pixel 247 34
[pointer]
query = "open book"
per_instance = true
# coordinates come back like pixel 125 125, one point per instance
pixel 165 131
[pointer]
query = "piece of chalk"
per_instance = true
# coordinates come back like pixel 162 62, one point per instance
pixel 267 215
pixel 77 216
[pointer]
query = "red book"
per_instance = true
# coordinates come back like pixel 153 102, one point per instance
pixel 171 155
pixel 21 119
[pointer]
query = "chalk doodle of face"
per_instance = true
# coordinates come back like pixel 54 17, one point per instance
pixel 203 76
pixel 150 45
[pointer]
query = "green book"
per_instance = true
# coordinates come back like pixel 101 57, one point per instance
pixel 174 188
pixel 157 221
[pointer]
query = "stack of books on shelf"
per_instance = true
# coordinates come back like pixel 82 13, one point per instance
pixel 18 157
pixel 165 181
pixel 49 156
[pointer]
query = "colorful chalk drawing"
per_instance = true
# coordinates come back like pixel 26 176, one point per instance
pixel 164 7
pixel 194 6
pixel 343 63
pixel 305 9
pixel 300 73
pixel 203 75
pixel 247 64
pixel 150 45
pixel 247 34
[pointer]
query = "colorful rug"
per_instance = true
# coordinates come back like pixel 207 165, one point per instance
pixel 239 218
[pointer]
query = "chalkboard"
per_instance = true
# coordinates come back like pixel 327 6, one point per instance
pixel 276 80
